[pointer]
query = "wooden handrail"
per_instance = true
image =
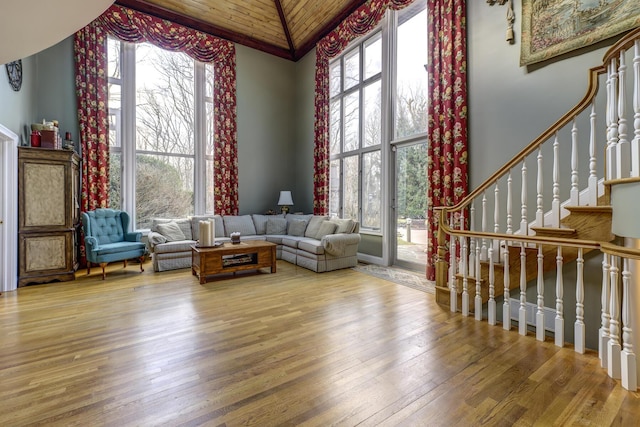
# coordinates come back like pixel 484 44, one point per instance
pixel 558 241
pixel 621 251
pixel 624 43
pixel 593 85
pixel 533 145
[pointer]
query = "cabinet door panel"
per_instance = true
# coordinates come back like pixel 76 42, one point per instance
pixel 44 195
pixel 45 252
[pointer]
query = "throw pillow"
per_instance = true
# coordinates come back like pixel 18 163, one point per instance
pixel 326 227
pixel 344 225
pixel 314 225
pixel 297 227
pixel 276 226
pixel 185 227
pixel 156 238
pixel 171 231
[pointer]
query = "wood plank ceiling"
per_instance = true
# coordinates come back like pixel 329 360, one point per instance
pixel 285 28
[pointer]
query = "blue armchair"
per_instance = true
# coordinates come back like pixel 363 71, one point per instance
pixel 106 238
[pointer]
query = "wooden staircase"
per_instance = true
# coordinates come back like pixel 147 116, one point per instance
pixel 583 222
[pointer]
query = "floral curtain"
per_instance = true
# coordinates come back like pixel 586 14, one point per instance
pixel 133 26
pixel 447 139
pixel 359 23
pixel 90 46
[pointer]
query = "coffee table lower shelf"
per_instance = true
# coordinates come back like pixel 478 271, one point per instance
pixel 230 258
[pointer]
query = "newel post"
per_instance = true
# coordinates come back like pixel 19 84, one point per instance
pixel 442 266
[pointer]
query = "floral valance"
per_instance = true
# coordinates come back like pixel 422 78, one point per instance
pixel 135 27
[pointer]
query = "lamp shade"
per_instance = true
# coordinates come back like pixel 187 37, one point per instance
pixel 285 199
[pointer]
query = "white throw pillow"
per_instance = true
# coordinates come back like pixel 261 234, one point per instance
pixel 171 231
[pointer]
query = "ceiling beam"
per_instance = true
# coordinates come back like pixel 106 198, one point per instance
pixel 163 13
pixel 285 28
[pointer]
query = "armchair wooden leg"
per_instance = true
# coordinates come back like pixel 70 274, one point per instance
pixel 103 265
pixel 141 261
pixel 125 263
pixel 88 268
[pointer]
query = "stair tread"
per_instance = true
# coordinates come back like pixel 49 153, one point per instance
pixel 554 230
pixel 598 209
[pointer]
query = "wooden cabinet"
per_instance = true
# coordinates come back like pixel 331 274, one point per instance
pixel 48 215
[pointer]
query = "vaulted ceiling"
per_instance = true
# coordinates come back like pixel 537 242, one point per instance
pixel 285 28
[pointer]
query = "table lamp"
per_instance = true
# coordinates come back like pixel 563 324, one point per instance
pixel 285 201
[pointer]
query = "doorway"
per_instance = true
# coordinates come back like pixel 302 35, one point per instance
pixel 410 206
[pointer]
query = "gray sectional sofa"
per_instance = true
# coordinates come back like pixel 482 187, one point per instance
pixel 310 241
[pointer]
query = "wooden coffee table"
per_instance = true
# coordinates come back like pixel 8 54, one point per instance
pixel 229 258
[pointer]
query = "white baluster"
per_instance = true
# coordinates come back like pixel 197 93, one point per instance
pixel 483 251
pixel 540 331
pixel 579 329
pixel 496 220
pixel 635 146
pixel 559 321
pixel 575 192
pixel 464 256
pixel 612 117
pixel 522 312
pixel 509 199
pixel 453 263
pixel 478 299
pixel 472 242
pixel 613 128
pixel 491 305
pixel 603 343
pixel 524 225
pixel 613 351
pixel 540 191
pixel 628 368
pixel 593 174
pixel 623 158
pixel 506 309
pixel 555 203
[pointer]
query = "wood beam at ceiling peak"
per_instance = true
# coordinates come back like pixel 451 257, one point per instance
pixel 285 28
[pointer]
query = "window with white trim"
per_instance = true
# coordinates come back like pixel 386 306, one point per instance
pixel 362 124
pixel 160 132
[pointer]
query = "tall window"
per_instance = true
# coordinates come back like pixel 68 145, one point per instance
pixel 356 132
pixel 387 64
pixel 160 132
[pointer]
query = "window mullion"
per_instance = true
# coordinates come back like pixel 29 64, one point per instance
pixel 200 135
pixel 129 131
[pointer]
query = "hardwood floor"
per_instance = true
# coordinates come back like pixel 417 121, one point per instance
pixel 291 348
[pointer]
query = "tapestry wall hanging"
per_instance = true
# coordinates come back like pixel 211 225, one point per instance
pixel 553 27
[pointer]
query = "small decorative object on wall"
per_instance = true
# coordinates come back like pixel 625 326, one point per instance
pixel 553 27
pixel 14 72
pixel 511 18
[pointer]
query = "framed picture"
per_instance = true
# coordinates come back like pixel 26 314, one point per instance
pixel 553 27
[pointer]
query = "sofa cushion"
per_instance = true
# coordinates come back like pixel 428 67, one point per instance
pixel 311 246
pixel 177 246
pixel 276 226
pixel 242 224
pixel 296 227
pixel 314 225
pixel 344 225
pixel 171 231
pixel 260 222
pixel 327 227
